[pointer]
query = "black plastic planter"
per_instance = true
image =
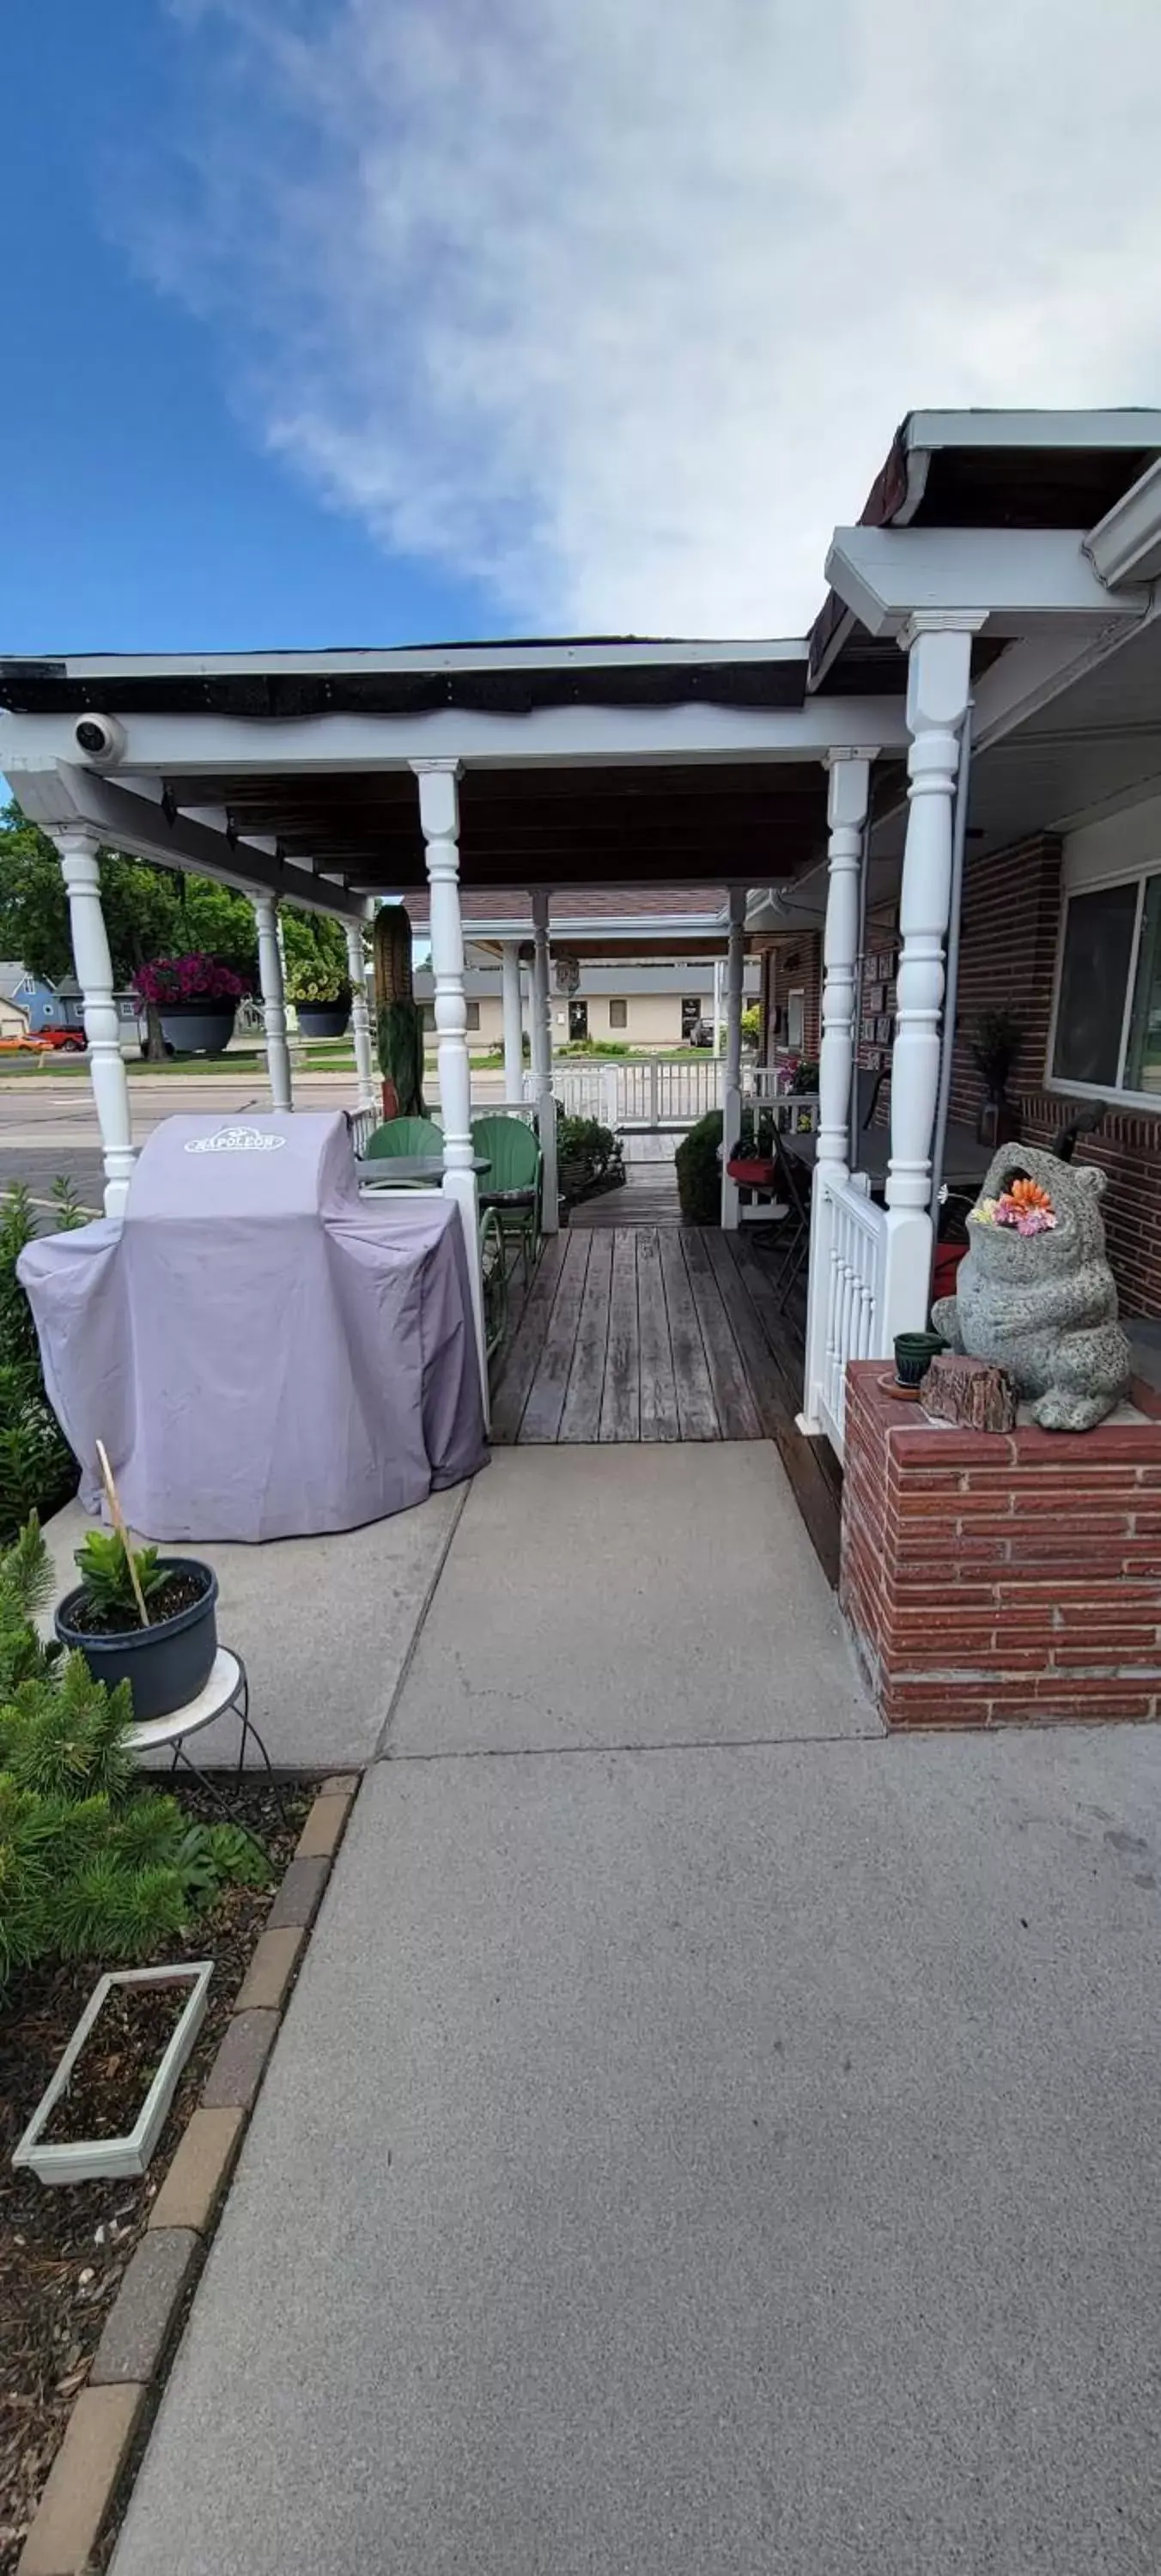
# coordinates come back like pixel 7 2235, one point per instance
pixel 166 1664
pixel 323 1019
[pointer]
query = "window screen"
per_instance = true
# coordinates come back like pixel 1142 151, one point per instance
pixel 473 1012
pixel 618 1015
pixel 1143 1062
pixel 1094 977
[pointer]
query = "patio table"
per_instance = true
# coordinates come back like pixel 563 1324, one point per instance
pixel 388 1171
pixel 965 1160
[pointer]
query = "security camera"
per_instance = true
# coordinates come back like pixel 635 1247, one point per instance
pixel 100 739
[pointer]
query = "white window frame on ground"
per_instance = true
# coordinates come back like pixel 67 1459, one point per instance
pixel 1090 868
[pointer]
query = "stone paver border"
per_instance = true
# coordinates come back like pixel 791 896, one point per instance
pixel 104 2436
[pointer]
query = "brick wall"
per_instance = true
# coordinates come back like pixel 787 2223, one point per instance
pixel 1007 956
pixel 993 1579
pixel 1008 942
pixel 796 966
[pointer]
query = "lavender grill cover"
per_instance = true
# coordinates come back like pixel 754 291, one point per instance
pixel 264 1352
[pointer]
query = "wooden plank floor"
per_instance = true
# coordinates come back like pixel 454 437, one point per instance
pixel 649 1196
pixel 642 1332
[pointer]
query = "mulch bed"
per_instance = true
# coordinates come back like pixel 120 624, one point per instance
pixel 63 2250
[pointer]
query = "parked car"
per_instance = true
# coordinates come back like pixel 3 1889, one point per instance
pixel 46 1042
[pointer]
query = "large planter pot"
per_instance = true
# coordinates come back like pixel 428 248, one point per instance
pixel 198 1028
pixel 166 1664
pixel 323 1019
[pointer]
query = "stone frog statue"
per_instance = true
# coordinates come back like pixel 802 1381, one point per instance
pixel 1043 1306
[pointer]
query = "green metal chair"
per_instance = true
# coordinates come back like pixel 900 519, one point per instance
pixel 399 1137
pixel 511 1189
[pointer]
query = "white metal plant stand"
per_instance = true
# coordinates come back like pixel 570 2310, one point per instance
pixel 226 1693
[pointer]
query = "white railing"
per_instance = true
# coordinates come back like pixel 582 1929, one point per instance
pixel 854 1236
pixel 655 1091
pixel 796 1112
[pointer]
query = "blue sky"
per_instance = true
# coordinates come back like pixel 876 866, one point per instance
pixel 138 508
pixel 369 321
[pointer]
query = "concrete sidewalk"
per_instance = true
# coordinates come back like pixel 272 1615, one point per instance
pixel 719 2156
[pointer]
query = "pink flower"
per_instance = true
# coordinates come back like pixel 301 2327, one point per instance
pixel 192 978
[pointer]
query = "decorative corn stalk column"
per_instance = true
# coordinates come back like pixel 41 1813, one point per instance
pixel 732 1081
pixel 400 1020
pixel 542 1064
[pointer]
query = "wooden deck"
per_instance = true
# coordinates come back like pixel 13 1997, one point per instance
pixel 659 1332
pixel 649 1196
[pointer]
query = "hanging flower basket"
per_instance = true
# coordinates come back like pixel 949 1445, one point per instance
pixel 323 1019
pixel 197 998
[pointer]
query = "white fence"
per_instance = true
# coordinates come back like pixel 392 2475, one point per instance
pixel 854 1231
pixel 658 1091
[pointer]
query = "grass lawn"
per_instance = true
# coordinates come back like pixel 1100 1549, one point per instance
pixel 240 1061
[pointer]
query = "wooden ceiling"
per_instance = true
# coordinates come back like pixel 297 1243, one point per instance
pixel 753 823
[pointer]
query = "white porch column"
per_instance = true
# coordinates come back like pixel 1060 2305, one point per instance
pixel 847 797
pixel 273 1001
pixel 732 1077
pixel 94 972
pixel 938 650
pixel 361 1016
pixel 440 820
pixel 542 1063
pixel 513 1021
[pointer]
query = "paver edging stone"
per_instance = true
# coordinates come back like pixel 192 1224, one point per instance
pixel 89 2476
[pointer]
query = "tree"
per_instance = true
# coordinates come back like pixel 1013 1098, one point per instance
pixel 149 911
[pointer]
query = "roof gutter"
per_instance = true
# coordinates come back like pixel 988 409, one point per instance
pixel 1125 546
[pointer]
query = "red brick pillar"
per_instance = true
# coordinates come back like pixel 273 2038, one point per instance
pixel 988 1578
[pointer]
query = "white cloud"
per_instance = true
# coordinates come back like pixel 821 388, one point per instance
pixel 615 304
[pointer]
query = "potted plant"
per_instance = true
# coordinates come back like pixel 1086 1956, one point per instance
pixel 994 1049
pixel 321 997
pixel 196 997
pixel 146 1619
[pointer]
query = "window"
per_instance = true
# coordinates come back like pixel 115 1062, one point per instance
pixel 690 1014
pixel 796 1022
pixel 1108 1008
pixel 578 1021
pixel 618 1014
pixel 473 1012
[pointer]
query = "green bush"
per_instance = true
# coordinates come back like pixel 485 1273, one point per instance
pixel 699 1171
pixel 91 1865
pixel 588 1158
pixel 37 1468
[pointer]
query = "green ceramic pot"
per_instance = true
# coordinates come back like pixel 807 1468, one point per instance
pixel 914 1353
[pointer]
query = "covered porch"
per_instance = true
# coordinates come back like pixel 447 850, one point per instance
pixel 964 683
